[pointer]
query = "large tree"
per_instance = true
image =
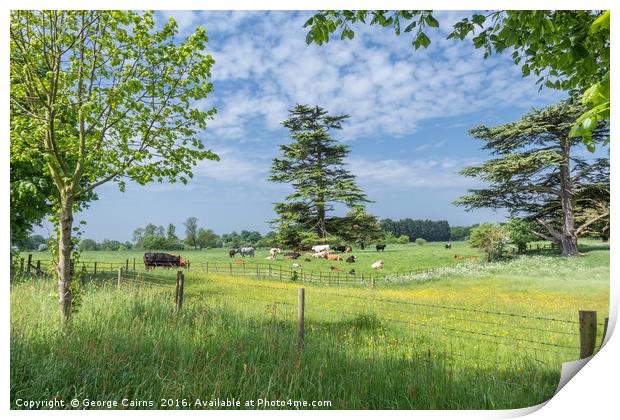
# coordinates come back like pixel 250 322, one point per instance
pixel 564 49
pixel 536 174
pixel 313 164
pixel 107 98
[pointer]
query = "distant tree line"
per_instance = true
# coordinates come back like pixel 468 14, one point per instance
pixel 430 230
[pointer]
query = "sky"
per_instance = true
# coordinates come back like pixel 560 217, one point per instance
pixel 410 112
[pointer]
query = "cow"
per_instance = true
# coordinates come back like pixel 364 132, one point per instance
pixel 340 248
pixel 352 271
pixel 246 251
pixel 348 249
pixel 158 259
pixel 239 262
pixel 296 266
pixel 336 269
pixel 351 259
pixel 291 255
pixel 458 257
pixel 320 248
pixel 380 247
pixel 448 245
pixel 322 254
pixel 232 252
pixel 270 257
pixel 378 265
pixel 333 257
pixel 274 252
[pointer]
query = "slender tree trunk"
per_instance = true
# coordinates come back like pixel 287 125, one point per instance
pixel 64 256
pixel 568 240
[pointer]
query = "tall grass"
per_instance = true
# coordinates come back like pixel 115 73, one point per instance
pixel 373 349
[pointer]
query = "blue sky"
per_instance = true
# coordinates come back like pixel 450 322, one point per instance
pixel 410 112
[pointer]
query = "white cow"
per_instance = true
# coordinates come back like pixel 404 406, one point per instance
pixel 274 252
pixel 296 266
pixel 320 248
pixel 377 265
pixel 322 254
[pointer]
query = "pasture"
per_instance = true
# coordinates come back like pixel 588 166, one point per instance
pixel 396 258
pixel 463 336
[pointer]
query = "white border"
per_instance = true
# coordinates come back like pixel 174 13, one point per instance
pixel 593 393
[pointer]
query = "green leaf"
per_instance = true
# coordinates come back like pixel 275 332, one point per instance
pixel 431 21
pixel 601 23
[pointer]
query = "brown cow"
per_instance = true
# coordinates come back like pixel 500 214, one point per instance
pixel 334 268
pixel 332 257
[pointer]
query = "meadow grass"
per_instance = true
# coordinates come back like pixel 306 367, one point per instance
pixel 433 343
pixel 396 258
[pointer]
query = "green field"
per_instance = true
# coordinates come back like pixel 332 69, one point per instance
pixel 464 336
pixel 396 258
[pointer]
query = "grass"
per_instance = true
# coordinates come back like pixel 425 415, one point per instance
pixel 396 346
pixel 397 258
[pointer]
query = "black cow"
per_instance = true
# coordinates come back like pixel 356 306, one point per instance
pixel 340 248
pixel 351 259
pixel 380 247
pixel 158 259
pixel 352 271
pixel 448 245
pixel 232 252
pixel 291 255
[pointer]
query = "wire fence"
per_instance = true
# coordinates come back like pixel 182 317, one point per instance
pixel 537 337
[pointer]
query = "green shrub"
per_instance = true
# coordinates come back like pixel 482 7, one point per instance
pixel 489 238
pixel 403 239
pixel 420 241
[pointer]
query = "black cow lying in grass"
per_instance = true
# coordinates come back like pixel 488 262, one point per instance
pixel 291 255
pixel 380 247
pixel 351 259
pixel 342 248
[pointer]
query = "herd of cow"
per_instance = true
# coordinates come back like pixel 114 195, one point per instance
pixel 160 259
pixel 318 252
pixel 152 260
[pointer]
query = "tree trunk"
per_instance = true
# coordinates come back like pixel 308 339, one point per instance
pixel 568 240
pixel 64 257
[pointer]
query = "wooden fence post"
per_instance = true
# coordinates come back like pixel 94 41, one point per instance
pixel 269 271
pixel 179 294
pixel 604 330
pixel 257 272
pixel 372 282
pixel 38 267
pixel 134 263
pixel 207 267
pixel 21 265
pixel 280 269
pixel 300 318
pixel 230 268
pixel 29 263
pixel 587 333
pixel 95 268
pixel 120 277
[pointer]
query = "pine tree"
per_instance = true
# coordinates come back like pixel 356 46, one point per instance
pixel 536 174
pixel 313 165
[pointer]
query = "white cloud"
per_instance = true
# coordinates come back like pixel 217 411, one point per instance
pixel 233 166
pixel 431 173
pixel 377 78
